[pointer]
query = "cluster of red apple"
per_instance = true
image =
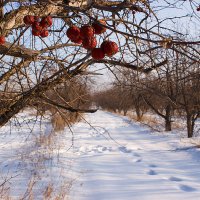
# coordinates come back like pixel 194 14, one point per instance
pixel 39 26
pixel 86 36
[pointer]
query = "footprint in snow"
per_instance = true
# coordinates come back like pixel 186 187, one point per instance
pixel 104 148
pixel 136 154
pixel 186 188
pixel 124 150
pixel 138 160
pixel 152 172
pixel 110 149
pixel 101 149
pixel 176 179
pixel 153 166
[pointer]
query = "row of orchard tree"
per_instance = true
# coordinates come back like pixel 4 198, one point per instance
pixel 139 36
pixel 172 91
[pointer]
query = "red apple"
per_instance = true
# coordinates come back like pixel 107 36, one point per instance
pixel 73 33
pixel 98 28
pixel 36 26
pixel 86 31
pixel 77 41
pixel 89 43
pixel 36 32
pixel 2 40
pixel 44 33
pixel 36 18
pixel 29 20
pixel 98 54
pixel 109 48
pixel 46 21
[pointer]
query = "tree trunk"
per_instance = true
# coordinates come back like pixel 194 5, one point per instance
pixel 168 126
pixel 190 125
pixel 125 112
pixel 138 113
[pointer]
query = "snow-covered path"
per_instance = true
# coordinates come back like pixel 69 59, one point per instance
pixel 120 160
pixel 111 159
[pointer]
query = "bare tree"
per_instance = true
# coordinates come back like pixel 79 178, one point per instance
pixel 30 65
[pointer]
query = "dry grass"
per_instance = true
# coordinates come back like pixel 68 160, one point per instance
pixel 48 192
pixel 36 160
pixel 63 192
pixel 58 122
pixel 4 191
pixel 149 120
pixel 62 119
pixel 29 191
pixel 154 122
pixel 178 125
pixel 53 193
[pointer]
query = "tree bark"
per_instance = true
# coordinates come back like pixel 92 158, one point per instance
pixel 168 125
pixel 125 112
pixel 17 51
pixel 138 113
pixel 190 126
pixel 14 19
pixel 168 118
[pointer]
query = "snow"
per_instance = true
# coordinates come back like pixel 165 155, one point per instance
pixel 111 158
pixel 133 162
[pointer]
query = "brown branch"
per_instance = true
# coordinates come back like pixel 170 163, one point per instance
pixel 155 66
pixel 28 56
pixel 117 6
pixel 71 109
pixel 152 107
pixel 14 69
pixel 17 51
pixel 58 46
pixel 131 66
pixel 14 19
pixel 54 80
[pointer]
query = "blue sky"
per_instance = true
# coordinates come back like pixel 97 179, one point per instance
pixel 191 24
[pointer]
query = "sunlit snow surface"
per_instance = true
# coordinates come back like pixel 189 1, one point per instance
pixel 111 159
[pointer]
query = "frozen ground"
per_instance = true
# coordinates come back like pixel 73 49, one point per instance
pixel 111 158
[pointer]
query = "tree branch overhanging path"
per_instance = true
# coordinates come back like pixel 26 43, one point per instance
pixel 30 66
